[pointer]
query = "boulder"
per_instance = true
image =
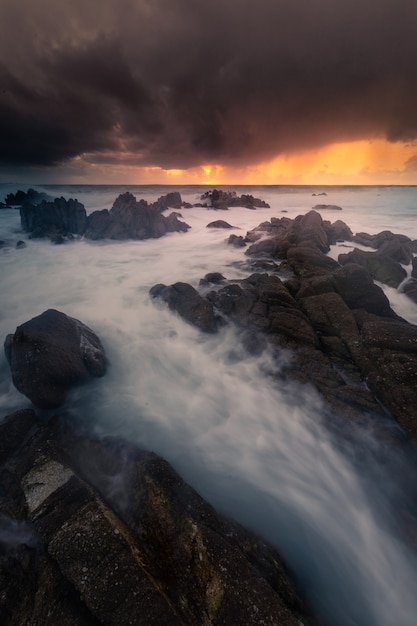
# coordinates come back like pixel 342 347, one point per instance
pixel 99 532
pixel 171 200
pixel 380 266
pixel 219 199
pixel 187 302
pixel 410 289
pixel 327 207
pixel 236 241
pixel 219 224
pixel 50 354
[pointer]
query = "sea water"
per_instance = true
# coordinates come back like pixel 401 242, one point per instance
pixel 257 451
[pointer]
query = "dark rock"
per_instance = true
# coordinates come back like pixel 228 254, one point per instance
pixel 132 219
pixel 20 244
pixel 31 196
pixel 380 266
pixel 410 289
pixel 54 219
pixel 50 354
pixel 219 199
pixel 338 231
pixel 187 302
pixel 171 200
pixel 219 224
pixel 237 241
pixel 354 283
pixel 414 270
pixel 212 278
pixel 110 534
pixel 327 207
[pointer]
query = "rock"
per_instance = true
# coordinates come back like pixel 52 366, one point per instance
pixel 212 278
pixel 59 218
pixel 50 354
pixel 132 219
pixel 380 266
pixel 187 302
pixel 327 207
pixel 338 231
pixel 219 199
pixel 410 289
pixel 219 224
pixel 101 532
pixel 237 241
pixel 31 196
pixel 20 245
pixel 171 200
pixel 414 270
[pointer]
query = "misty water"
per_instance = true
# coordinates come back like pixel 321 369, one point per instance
pixel 257 450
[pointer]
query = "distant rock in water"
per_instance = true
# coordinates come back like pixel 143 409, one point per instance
pixel 219 224
pixel 50 354
pixel 219 199
pixel 30 196
pixel 99 532
pixel 327 207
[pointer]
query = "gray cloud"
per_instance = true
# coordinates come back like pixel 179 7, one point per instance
pixel 182 82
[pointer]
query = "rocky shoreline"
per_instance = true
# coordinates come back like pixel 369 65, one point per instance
pixel 97 531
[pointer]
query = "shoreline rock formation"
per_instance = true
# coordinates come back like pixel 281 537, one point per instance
pixel 100 532
pixel 343 335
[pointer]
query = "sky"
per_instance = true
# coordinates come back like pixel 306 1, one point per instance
pixel 208 91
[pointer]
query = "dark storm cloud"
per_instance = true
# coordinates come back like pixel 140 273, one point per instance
pixel 180 82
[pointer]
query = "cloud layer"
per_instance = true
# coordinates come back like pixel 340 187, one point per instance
pixel 177 83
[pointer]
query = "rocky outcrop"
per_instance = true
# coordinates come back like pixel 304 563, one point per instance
pixel 127 219
pixel 50 354
pixel 187 302
pixel 219 224
pixel 132 219
pixel 56 220
pixel 343 335
pixel 30 196
pixel 101 533
pixel 381 267
pixel 219 199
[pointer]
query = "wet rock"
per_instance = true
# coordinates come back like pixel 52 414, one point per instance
pixel 212 278
pixel 380 266
pixel 219 224
pixel 189 304
pixel 31 196
pixel 50 354
pixel 107 533
pixel 237 241
pixel 54 219
pixel 327 207
pixel 171 200
pixel 219 199
pixel 338 231
pixel 410 289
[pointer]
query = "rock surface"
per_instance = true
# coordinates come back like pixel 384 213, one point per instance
pixel 343 335
pixel 100 532
pixel 50 354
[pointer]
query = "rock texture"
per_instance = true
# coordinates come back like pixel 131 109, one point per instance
pixel 127 219
pixel 343 335
pixel 100 532
pixel 50 354
pixel 219 199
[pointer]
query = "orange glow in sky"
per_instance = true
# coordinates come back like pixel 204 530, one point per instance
pixel 364 162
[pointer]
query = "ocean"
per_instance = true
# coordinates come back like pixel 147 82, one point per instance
pixel 258 452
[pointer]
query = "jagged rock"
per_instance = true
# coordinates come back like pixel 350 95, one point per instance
pixel 51 353
pixel 380 266
pixel 187 302
pixel 414 270
pixel 219 224
pixel 100 532
pixel 132 219
pixel 219 199
pixel 59 218
pixel 31 196
pixel 171 200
